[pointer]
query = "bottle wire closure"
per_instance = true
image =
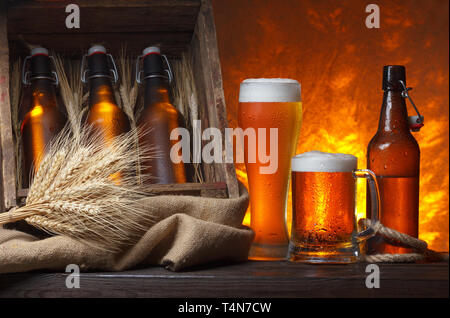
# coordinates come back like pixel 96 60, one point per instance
pixel 139 72
pixel 113 70
pixel 415 122
pixel 26 74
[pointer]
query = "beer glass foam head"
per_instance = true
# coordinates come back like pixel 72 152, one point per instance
pixel 269 90
pixel 317 161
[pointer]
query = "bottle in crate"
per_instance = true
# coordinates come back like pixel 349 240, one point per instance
pixel 104 114
pixel 41 113
pixel 158 119
pixel 393 155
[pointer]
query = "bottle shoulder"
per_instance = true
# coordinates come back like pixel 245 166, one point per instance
pixel 388 141
pixel 105 111
pixel 48 115
pixel 160 111
pixel 105 106
pixel 391 155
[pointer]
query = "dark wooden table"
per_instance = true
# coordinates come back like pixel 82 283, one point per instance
pixel 249 279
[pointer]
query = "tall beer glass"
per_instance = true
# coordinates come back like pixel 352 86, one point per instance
pixel 270 110
pixel 323 215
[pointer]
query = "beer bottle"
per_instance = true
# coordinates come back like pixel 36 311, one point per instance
pixel 104 115
pixel 41 114
pixel 158 118
pixel 394 156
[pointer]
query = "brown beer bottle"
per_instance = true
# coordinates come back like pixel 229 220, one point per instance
pixel 158 118
pixel 40 111
pixel 394 156
pixel 104 114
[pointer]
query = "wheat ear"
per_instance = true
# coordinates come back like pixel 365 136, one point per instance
pixel 73 192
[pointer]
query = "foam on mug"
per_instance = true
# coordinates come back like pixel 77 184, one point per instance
pixel 317 161
pixel 269 90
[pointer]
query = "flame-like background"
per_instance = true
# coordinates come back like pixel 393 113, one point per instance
pixel 326 46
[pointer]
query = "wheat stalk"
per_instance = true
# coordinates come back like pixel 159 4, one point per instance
pixel 128 87
pixel 71 89
pixel 185 98
pixel 128 92
pixel 74 194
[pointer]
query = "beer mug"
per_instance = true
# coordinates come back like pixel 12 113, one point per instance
pixel 324 228
pixel 270 112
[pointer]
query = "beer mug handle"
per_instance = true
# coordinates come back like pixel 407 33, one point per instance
pixel 375 202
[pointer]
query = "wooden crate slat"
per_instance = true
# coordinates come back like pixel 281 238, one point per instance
pixel 208 169
pixel 209 81
pixel 103 16
pixel 155 4
pixel 210 189
pixel 7 152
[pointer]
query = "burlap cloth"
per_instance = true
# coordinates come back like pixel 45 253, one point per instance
pixel 191 231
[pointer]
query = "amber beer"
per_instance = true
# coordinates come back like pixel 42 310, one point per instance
pixel 269 103
pixel 394 155
pixel 40 112
pixel 323 208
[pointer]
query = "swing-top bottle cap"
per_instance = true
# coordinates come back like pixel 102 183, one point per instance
pixel 153 63
pixel 40 68
pixel 415 123
pixel 97 62
pixel 40 65
pixel 39 51
pixel 151 50
pixel 96 49
pixel 392 75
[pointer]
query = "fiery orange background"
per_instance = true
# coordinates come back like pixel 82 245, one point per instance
pixel 326 46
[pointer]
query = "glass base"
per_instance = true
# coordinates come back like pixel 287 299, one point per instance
pixel 267 252
pixel 315 254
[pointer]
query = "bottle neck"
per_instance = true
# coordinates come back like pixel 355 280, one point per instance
pixel 156 91
pixel 43 93
pixel 101 90
pixel 394 114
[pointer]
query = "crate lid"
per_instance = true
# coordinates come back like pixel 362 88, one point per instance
pixel 131 24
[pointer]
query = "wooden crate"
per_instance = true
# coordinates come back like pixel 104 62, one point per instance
pixel 176 25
